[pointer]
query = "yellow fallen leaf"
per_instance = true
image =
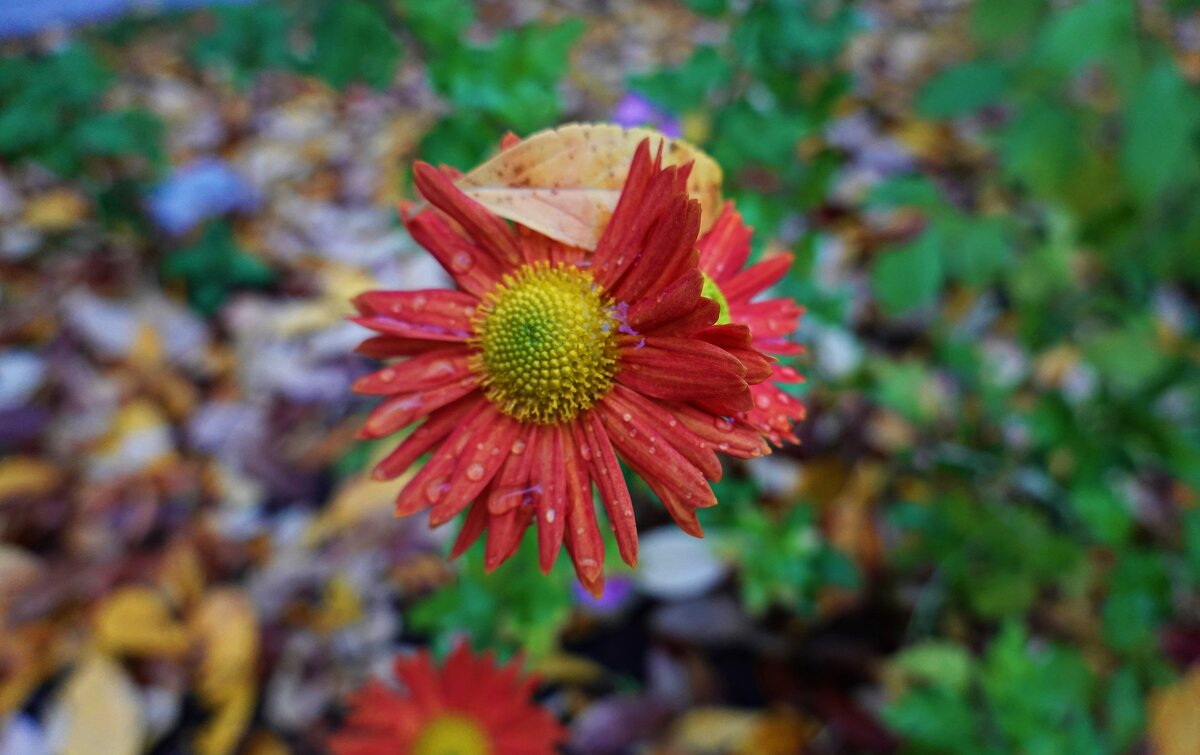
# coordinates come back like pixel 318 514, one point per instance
pixel 226 629
pixel 360 499
pixel 265 743
pixel 101 710
pixel 565 182
pixel 781 731
pixel 137 621
pixel 24 475
pixel 564 668
pixel 55 210
pixel 181 575
pixel 221 733
pixel 713 730
pixel 1174 726
pixel 341 607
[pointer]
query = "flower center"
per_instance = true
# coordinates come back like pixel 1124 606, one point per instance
pixel 547 341
pixel 452 735
pixel 711 291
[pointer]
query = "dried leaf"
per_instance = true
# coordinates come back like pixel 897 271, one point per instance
pixel 1174 727
pixel 100 710
pixel 21 476
pixel 713 729
pixel 226 629
pixel 57 210
pixel 137 621
pixel 565 182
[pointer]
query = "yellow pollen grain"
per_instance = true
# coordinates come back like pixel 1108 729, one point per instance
pixel 547 343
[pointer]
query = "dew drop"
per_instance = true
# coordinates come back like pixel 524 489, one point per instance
pixel 550 516
pixel 518 448
pixel 723 446
pixel 585 452
pixel 461 262
pixel 475 472
pixel 387 376
pixel 763 400
pixel 673 423
pixel 436 489
pixel 419 302
pixel 653 449
pixel 722 423
pixel 627 416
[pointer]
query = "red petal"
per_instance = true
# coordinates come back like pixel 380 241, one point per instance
pixel 726 246
pixel 702 316
pixel 595 447
pixel 723 433
pixel 677 300
pixel 399 411
pixel 420 373
pixel 473 526
pixel 679 368
pixel 474 271
pixel 699 452
pixel 756 278
pixel 386 347
pixel 769 318
pixel 639 444
pixel 549 469
pixel 504 536
pixel 488 231
pixel 585 545
pixel 667 252
pixel 489 444
pixel 440 423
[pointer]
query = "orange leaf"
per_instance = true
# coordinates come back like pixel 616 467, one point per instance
pixel 565 182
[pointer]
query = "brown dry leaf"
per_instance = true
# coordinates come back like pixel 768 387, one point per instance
pixel 137 621
pixel 1174 723
pixel 100 710
pixel 361 499
pixel 181 575
pixel 779 732
pixel 565 182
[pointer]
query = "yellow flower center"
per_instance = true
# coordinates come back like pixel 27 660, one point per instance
pixel 547 340
pixel 711 291
pixel 452 735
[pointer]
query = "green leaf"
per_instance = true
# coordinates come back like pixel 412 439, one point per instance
pixel 1041 147
pixel 978 250
pixel 909 277
pixel 962 89
pixel 688 86
pixel 439 24
pixel 353 44
pixel 942 664
pixel 247 39
pixel 997 20
pixel 1158 143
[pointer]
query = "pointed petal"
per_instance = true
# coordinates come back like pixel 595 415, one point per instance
pixel 473 526
pixel 675 301
pixel 439 424
pixel 699 452
pixel 595 447
pixel 725 434
pixel 399 411
pixel 475 272
pixel 491 234
pixel 653 366
pixel 756 278
pixel 491 438
pixel 420 373
pixel 640 444
pixel 550 471
pixel 726 246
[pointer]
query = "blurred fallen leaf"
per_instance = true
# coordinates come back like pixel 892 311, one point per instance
pixel 361 499
pixel 713 730
pixel 99 710
pixel 137 621
pixel 226 629
pixel 565 668
pixel 778 732
pixel 565 182
pixel 181 575
pixel 1174 726
pixel 55 210
pixel 24 475
pixel 341 607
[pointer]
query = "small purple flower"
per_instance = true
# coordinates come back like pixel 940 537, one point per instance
pixel 635 110
pixel 617 592
pixel 199 190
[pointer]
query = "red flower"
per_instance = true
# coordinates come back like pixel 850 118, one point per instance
pixel 723 252
pixel 547 363
pixel 472 707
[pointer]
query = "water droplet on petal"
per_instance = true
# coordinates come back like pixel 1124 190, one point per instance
pixel 436 489
pixel 627 416
pixel 550 516
pixel 518 448
pixel 585 452
pixel 722 423
pixel 723 446
pixel 387 376
pixel 461 262
pixel 475 472
pixel 419 302
pixel 763 400
pixel 672 423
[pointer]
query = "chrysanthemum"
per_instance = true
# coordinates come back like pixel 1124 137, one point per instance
pixel 547 363
pixel 470 707
pixel 723 252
